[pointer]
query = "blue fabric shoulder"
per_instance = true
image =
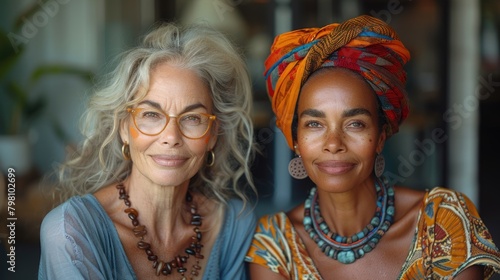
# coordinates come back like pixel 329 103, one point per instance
pixel 228 253
pixel 79 241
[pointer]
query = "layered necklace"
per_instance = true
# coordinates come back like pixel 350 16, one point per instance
pixel 177 263
pixel 348 249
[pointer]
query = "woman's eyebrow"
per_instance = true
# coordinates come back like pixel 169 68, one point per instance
pixel 312 113
pixel 194 106
pixel 158 106
pixel 356 111
pixel 347 113
pixel 151 103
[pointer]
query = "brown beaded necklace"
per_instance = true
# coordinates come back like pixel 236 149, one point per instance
pixel 167 267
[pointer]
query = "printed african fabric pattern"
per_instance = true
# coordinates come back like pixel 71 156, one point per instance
pixel 448 227
pixel 450 237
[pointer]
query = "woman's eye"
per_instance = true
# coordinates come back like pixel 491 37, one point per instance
pixel 312 124
pixel 151 115
pixel 191 119
pixel 356 124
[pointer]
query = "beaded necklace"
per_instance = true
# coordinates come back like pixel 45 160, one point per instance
pixel 167 267
pixel 348 249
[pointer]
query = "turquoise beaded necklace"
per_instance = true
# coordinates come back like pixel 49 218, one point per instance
pixel 348 249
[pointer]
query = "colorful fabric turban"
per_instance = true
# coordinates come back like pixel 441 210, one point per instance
pixel 363 44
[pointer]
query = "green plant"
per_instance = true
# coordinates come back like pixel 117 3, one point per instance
pixel 17 109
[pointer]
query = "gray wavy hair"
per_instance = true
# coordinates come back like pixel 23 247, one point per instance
pixel 98 161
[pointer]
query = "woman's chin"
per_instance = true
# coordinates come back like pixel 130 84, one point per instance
pixel 168 179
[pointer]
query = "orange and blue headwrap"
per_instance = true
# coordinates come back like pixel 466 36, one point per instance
pixel 365 45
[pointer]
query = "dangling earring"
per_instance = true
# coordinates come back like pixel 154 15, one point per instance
pixel 210 158
pixel 379 165
pixel 296 167
pixel 126 151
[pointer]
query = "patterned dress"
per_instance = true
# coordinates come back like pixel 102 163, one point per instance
pixel 450 237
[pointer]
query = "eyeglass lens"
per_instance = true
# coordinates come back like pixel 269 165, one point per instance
pixel 153 121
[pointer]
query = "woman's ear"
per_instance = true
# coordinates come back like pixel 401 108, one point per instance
pixel 381 139
pixel 124 131
pixel 296 148
pixel 213 136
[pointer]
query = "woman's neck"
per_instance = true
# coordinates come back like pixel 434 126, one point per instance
pixel 349 212
pixel 162 208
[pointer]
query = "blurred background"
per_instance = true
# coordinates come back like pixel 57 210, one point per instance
pixel 51 51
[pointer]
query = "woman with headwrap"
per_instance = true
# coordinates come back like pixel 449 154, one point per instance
pixel 338 94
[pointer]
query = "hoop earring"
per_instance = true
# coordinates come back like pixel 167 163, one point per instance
pixel 379 165
pixel 210 158
pixel 126 151
pixel 296 168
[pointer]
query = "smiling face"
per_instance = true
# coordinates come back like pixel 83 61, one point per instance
pixel 169 158
pixel 338 134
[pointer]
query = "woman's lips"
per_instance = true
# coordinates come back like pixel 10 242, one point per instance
pixel 335 167
pixel 169 161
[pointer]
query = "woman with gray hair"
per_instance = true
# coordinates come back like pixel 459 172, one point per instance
pixel 158 187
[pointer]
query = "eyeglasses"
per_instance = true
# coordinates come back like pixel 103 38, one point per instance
pixel 152 121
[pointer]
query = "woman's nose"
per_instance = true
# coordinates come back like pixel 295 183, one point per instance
pixel 171 134
pixel 334 141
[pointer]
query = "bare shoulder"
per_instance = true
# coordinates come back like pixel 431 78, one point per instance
pixel 408 201
pixel 108 198
pixel 408 193
pixel 296 215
